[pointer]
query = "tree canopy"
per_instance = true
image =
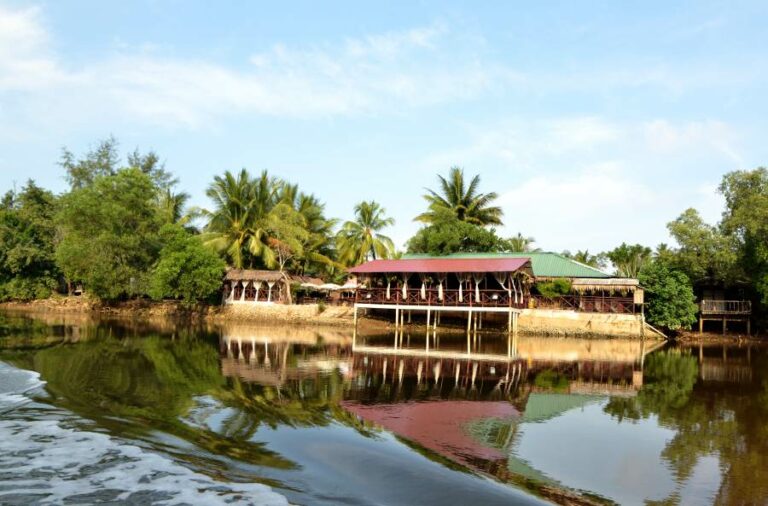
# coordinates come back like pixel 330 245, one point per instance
pixel 361 239
pixel 462 199
pixel 671 303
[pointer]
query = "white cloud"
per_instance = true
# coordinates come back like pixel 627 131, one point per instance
pixel 24 59
pixel 691 137
pixel 591 182
pixel 369 75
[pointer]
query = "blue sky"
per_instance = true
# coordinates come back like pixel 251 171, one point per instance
pixel 596 122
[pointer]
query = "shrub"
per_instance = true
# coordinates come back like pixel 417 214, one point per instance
pixel 554 288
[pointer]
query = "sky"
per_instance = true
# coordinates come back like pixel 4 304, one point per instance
pixel 595 122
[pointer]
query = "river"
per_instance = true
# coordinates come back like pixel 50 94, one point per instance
pixel 105 412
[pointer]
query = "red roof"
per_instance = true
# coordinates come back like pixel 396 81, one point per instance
pixel 442 265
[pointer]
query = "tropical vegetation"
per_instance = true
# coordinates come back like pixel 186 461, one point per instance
pixel 123 230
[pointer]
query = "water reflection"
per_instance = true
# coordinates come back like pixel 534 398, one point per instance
pixel 417 418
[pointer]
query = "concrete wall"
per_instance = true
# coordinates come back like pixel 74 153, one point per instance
pixel 559 322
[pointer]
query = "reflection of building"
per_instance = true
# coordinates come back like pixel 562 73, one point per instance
pixel 725 364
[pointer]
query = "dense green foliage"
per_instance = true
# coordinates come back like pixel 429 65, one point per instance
pixel 629 260
pixel 27 234
pixel 186 269
pixel 554 288
pixel 104 234
pixel 671 303
pixel 264 222
pixel 746 221
pixel 450 235
pixel 109 235
pixel 361 239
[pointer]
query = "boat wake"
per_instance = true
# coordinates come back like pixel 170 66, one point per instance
pixel 46 459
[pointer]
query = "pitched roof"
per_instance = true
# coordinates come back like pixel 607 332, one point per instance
pixel 252 275
pixel 442 264
pixel 545 264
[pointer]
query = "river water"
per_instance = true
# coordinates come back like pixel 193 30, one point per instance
pixel 100 412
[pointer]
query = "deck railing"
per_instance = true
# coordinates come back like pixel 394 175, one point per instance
pixel 587 303
pixel 431 297
pixel 496 298
pixel 725 307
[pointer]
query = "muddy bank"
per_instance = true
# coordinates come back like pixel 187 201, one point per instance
pixel 309 314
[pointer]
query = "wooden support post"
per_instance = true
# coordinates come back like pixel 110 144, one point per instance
pixel 509 321
pixel 354 331
pixel 469 321
pixel 397 317
pixel 428 314
pixel 409 316
pixel 725 326
pixel 749 326
pixel 701 325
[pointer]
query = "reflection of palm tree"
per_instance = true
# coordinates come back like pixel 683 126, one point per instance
pixel 361 238
pixel 464 201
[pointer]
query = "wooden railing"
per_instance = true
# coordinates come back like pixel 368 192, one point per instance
pixel 496 298
pixel 468 298
pixel 724 307
pixel 587 303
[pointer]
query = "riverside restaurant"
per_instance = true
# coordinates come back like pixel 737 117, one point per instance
pixel 503 283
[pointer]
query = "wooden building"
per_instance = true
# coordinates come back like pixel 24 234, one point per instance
pixel 479 283
pixel 251 286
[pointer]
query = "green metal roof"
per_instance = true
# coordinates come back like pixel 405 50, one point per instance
pixel 545 264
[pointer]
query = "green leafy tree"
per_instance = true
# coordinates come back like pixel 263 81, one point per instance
pixel 629 260
pixel 450 235
pixel 464 200
pixel 109 233
pixel 746 220
pixel 186 269
pixel 361 239
pixel 553 289
pixel 100 161
pixel 318 246
pixel 27 235
pixel 704 253
pixel 238 224
pixel 670 301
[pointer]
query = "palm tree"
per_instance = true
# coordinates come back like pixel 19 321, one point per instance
pixel 360 239
pixel 173 207
pixel 465 201
pixel 317 248
pixel 585 257
pixel 238 224
pixel 520 243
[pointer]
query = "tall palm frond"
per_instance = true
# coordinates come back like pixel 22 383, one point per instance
pixel 463 200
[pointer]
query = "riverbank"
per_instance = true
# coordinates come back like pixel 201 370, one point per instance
pixel 308 314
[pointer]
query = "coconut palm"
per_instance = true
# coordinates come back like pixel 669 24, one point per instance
pixel 464 200
pixel 585 257
pixel 360 239
pixel 520 243
pixel 238 224
pixel 317 247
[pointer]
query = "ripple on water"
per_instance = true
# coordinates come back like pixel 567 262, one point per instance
pixel 45 460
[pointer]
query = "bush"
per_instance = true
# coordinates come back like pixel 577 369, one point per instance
pixel 670 302
pixel 186 268
pixel 554 288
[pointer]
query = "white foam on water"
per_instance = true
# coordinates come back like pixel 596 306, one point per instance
pixel 44 459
